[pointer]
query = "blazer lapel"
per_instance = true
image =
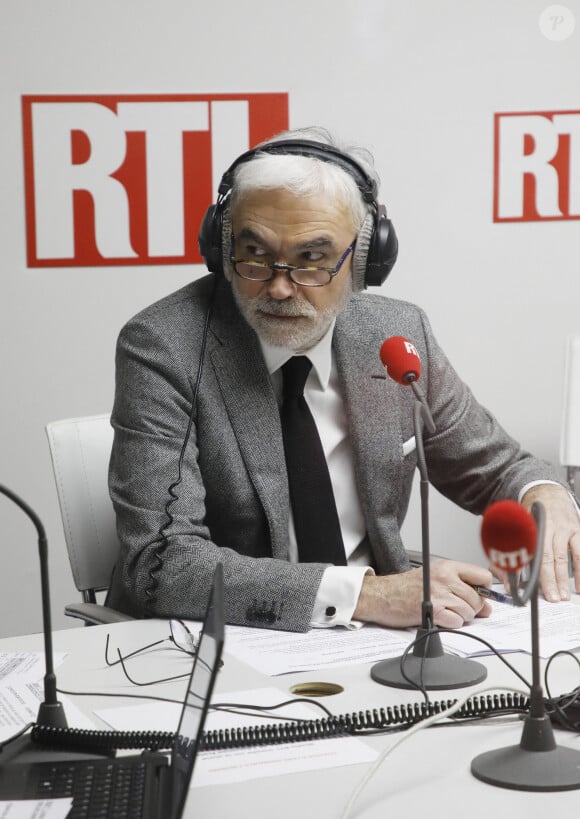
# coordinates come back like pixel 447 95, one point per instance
pixel 373 406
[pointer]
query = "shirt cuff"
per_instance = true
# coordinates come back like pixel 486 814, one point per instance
pixel 555 483
pixel 525 488
pixel 337 596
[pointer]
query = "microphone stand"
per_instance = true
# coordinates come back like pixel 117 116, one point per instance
pixel 51 711
pixel 427 666
pixel 537 763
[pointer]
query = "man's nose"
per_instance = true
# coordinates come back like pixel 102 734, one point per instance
pixel 281 286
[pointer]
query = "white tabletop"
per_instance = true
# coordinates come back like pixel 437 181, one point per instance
pixel 429 772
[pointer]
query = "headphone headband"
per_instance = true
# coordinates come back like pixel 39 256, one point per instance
pixel 313 150
pixel 374 258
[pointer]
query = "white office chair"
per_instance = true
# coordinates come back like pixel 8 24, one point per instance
pixel 80 449
pixel 570 430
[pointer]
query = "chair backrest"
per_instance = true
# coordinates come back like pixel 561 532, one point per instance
pixel 570 431
pixel 80 449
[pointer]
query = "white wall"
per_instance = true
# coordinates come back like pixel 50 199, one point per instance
pixel 417 82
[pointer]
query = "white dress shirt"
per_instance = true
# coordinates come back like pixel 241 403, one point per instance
pixel 340 587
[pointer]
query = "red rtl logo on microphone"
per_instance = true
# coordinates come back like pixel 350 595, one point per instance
pixel 126 180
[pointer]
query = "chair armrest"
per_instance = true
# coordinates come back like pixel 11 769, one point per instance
pixel 95 614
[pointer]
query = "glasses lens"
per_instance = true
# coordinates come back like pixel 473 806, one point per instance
pixel 182 636
pixel 252 271
pixel 311 276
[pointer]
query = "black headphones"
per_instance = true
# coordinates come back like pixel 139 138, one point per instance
pixel 383 244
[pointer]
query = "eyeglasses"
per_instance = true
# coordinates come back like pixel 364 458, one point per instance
pixel 304 276
pixel 181 638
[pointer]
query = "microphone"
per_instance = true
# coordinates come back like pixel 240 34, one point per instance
pixel 427 666
pixel 509 535
pixel 402 362
pixel 512 538
pixel 51 711
pixel 401 359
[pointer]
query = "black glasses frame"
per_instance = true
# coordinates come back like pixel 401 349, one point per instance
pixel 176 645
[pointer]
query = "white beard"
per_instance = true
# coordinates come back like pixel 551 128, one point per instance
pixel 302 332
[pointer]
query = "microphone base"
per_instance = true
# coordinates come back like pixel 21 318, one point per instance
pixel 521 770
pixel 51 714
pixel 428 667
pixel 536 764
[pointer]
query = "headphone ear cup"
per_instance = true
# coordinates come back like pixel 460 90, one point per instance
pixel 383 249
pixel 361 253
pixel 209 239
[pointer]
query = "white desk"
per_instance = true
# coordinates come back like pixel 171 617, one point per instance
pixel 429 772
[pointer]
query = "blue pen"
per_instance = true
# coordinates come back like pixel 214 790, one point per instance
pixel 490 594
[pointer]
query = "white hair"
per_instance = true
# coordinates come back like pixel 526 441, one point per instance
pixel 306 175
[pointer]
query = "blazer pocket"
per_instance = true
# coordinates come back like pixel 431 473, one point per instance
pixel 409 446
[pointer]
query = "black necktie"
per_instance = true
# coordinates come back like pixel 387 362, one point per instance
pixel 313 505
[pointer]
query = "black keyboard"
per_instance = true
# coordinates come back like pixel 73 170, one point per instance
pixel 103 791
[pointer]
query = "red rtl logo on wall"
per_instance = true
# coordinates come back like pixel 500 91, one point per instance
pixel 537 166
pixel 125 180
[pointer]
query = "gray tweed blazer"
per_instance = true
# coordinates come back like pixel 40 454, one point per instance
pixel 231 503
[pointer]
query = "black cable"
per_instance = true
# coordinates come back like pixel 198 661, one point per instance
pixel 442 630
pixel 241 708
pixel 418 685
pixel 559 708
pixel 153 697
pixel 224 706
pixel 150 591
pixel 363 723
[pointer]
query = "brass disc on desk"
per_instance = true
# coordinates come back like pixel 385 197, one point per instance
pixel 316 689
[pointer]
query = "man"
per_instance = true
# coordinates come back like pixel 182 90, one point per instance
pixel 203 419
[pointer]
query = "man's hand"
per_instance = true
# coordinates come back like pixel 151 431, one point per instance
pixel 562 535
pixel 394 600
